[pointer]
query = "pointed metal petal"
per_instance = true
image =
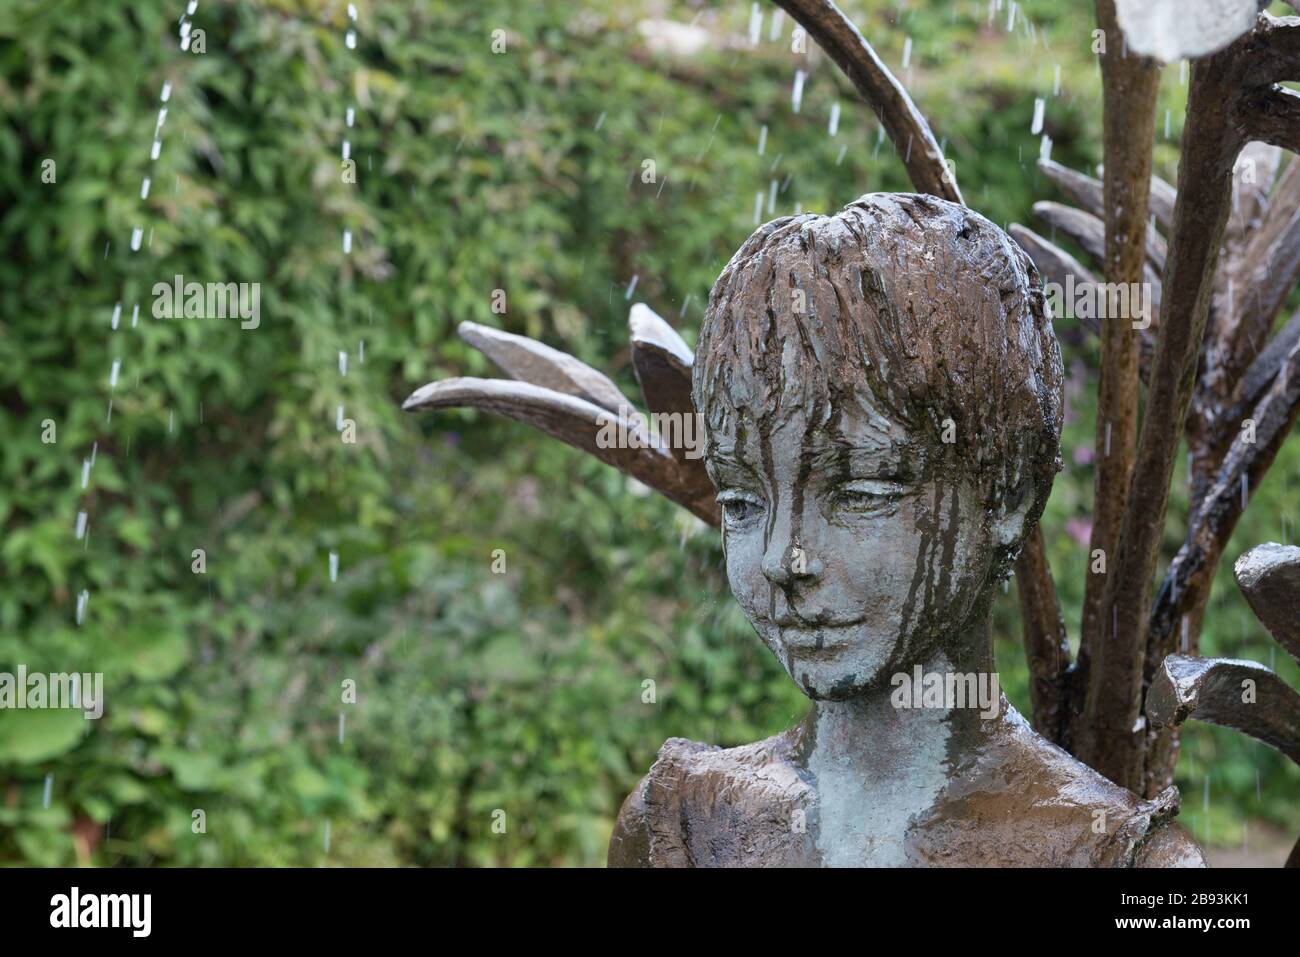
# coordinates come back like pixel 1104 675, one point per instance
pixel 621 442
pixel 1269 576
pixel 1160 201
pixel 646 325
pixel 1089 232
pixel 662 362
pixel 1056 265
pixel 1080 187
pixel 531 361
pixel 1213 689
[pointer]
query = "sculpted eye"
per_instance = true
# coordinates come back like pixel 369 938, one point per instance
pixel 868 495
pixel 740 508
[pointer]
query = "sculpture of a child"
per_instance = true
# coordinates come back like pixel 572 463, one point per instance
pixel 882 397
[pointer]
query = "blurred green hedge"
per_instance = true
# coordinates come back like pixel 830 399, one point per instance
pixel 476 692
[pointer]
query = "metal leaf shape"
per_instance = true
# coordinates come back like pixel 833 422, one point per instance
pixel 531 361
pixel 616 440
pixel 1269 576
pixel 662 362
pixel 1212 689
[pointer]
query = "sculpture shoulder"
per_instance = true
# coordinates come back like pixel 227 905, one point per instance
pixel 1029 802
pixel 1169 845
pixel 701 805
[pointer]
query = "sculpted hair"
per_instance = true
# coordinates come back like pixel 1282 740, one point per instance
pixel 922 306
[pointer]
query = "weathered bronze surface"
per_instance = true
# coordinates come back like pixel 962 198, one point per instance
pixel 1242 695
pixel 881 394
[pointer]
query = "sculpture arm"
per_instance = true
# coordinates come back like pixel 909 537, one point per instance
pixel 629 845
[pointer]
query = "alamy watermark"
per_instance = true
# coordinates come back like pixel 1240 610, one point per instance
pixel 636 430
pixel 947 690
pixel 212 300
pixel 1129 301
pixel 57 690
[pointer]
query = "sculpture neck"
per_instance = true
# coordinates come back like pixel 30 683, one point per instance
pixel 951 694
pixel 882 758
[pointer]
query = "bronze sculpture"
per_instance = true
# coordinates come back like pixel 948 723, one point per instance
pixel 881 399
pixel 881 394
pixel 865 780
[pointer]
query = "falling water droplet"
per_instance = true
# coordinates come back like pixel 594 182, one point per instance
pixel 81 525
pixel 343 363
pixel 85 473
pixel 796 95
pixel 1056 81
pixel 834 126
pixel 349 117
pixel 755 24
pixel 758 208
pixel 166 92
pixel 1039 106
pixel 351 39
pixel 112 375
pixel 334 566
pixel 342 723
pixel 137 234
pixel 762 139
pixel 117 314
pixel 1045 148
pixel 155 150
pixel 144 188
pixel 347 241
pixel 49 789
pixel 631 287
pixel 907 51
pixel 83 599
pixel 327 837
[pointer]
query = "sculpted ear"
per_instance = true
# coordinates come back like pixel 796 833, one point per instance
pixel 1012 527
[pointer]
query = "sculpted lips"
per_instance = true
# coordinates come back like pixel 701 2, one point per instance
pixel 814 638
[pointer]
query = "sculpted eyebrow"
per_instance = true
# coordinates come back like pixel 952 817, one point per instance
pixel 725 465
pixel 877 461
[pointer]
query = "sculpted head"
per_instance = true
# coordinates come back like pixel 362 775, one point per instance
pixel 881 394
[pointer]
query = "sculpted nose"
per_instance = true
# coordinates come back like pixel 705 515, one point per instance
pixel 792 565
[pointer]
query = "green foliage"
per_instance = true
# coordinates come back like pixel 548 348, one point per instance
pixel 476 692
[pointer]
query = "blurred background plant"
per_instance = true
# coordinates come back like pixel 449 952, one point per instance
pixel 476 692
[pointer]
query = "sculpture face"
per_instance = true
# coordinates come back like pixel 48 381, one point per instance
pixel 850 553
pixel 880 392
